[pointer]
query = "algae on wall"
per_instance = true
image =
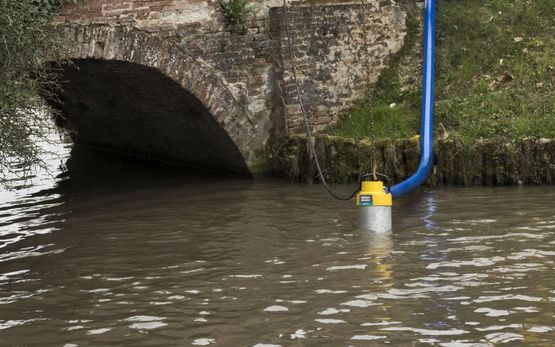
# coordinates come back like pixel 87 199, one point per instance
pixel 486 162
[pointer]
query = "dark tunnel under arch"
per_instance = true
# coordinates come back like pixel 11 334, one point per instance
pixel 138 110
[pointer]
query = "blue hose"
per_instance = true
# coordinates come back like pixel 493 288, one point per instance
pixel 426 132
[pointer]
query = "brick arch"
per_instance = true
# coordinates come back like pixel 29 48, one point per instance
pixel 99 49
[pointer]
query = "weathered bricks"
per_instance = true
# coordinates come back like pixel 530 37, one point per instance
pixel 244 77
pixel 339 50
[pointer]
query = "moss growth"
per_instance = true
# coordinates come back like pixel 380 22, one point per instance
pixel 495 76
pixel 494 162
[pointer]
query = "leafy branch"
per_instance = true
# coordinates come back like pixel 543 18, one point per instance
pixel 27 42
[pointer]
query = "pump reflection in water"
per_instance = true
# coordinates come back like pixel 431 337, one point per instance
pixel 379 248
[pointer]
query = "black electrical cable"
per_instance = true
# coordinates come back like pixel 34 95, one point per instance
pixel 307 125
pixel 303 111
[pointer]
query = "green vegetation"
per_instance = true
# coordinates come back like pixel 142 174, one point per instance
pixel 27 39
pixel 382 120
pixel 495 76
pixel 235 13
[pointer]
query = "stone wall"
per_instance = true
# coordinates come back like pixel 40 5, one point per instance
pixel 245 62
pixel 339 49
pixel 487 162
pixel 339 52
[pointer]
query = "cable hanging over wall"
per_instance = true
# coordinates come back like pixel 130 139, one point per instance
pixel 308 128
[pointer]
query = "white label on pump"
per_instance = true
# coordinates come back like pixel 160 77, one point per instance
pixel 365 200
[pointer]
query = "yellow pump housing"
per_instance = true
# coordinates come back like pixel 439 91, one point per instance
pixel 372 194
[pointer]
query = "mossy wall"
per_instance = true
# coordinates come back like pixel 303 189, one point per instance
pixel 486 162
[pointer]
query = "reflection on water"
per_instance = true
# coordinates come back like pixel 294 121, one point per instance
pixel 116 252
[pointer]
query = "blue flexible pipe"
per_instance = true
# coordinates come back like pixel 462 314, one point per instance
pixel 426 132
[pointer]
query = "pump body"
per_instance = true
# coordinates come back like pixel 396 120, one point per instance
pixel 374 207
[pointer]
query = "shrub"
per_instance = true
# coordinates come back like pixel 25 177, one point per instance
pixel 235 13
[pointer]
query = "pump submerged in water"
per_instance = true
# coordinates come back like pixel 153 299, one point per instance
pixel 372 215
pixel 374 207
pixel 374 201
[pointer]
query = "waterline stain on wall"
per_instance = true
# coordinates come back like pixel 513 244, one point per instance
pixel 486 162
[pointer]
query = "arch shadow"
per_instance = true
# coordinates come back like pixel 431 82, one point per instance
pixel 135 109
pixel 135 92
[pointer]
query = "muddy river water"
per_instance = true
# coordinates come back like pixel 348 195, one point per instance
pixel 113 252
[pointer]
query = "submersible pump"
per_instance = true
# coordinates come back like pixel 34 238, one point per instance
pixel 374 200
pixel 374 207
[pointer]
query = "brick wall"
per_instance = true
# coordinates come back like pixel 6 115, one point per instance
pixel 143 13
pixel 245 61
pixel 339 50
